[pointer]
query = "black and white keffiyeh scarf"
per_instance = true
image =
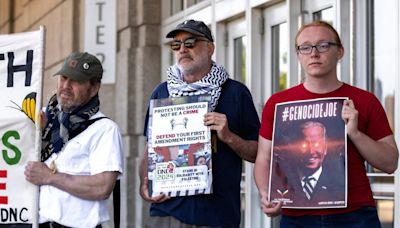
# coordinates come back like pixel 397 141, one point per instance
pixel 209 84
pixel 62 126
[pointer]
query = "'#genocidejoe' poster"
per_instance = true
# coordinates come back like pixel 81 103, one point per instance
pixel 179 147
pixel 309 154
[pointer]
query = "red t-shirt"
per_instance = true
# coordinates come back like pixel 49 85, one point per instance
pixel 372 121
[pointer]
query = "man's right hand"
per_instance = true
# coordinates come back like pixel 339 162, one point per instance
pixel 144 193
pixel 38 173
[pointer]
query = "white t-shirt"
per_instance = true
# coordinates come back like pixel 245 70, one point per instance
pixel 95 150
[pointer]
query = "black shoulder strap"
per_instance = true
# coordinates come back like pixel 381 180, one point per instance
pixel 83 127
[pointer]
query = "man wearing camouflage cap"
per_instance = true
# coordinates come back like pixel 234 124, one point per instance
pixel 81 158
pixel 234 125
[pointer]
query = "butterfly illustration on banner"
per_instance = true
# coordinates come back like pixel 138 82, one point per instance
pixel 28 106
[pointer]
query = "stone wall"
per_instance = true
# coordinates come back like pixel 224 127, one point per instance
pixel 138 71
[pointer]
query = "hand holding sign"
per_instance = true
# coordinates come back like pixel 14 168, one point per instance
pixel 218 122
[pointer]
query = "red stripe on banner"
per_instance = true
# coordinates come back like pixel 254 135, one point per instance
pixel 3 173
pixel 3 200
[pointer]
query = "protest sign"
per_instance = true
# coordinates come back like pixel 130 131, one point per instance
pixel 179 147
pixel 309 154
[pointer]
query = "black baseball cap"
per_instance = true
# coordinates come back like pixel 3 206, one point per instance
pixel 197 28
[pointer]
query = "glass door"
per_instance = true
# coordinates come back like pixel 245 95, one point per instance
pixel 381 71
pixel 275 63
pixel 236 46
pixel 276 46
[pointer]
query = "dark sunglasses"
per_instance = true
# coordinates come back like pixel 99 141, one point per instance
pixel 188 43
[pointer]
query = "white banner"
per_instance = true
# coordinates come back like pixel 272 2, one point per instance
pixel 21 73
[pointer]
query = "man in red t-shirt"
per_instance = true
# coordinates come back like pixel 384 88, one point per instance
pixel 370 138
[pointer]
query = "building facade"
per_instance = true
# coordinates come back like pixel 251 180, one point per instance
pixel 254 40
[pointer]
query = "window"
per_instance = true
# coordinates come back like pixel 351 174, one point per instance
pixel 176 6
pixel 279 57
pixel 179 5
pixel 324 15
pixel 240 59
pixel 190 3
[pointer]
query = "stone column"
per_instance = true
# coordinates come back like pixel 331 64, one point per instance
pixel 138 72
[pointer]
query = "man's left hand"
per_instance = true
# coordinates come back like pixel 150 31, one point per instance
pixel 218 122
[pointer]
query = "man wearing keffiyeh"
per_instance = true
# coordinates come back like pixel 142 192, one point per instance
pixel 234 125
pixel 81 156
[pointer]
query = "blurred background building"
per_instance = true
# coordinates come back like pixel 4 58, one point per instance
pixel 254 40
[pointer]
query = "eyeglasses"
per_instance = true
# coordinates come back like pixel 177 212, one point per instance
pixel 322 47
pixel 188 43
